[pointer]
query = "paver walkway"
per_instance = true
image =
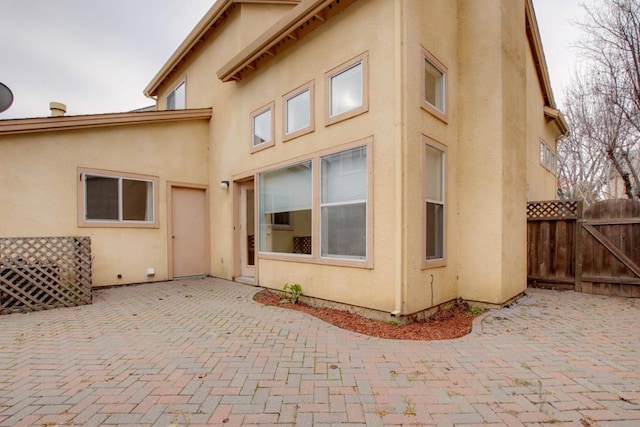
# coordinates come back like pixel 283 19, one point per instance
pixel 202 352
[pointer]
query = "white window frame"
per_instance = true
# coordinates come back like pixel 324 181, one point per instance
pixel 362 60
pixel 315 256
pixel 439 112
pixel 256 113
pixel 307 87
pixel 83 221
pixel 548 158
pixel 434 262
pixel 180 86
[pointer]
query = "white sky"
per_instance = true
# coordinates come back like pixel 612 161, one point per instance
pixel 97 56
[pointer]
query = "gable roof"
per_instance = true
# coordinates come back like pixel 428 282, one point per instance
pixel 209 22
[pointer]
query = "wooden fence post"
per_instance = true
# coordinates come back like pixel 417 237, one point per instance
pixel 577 248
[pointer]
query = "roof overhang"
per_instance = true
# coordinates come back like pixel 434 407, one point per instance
pixel 535 42
pixel 63 123
pixel 209 22
pixel 300 21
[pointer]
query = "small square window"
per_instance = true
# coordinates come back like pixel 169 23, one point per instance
pixel 298 112
pixel 262 128
pixel 176 100
pixel 434 86
pixel 347 90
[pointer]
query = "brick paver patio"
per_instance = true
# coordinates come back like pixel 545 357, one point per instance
pixel 202 352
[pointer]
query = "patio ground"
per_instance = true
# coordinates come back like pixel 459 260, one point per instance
pixel 202 352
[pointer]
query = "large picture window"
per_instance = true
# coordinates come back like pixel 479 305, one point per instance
pixel 319 208
pixel 434 203
pixel 117 199
pixel 344 204
pixel 285 201
pixel 347 90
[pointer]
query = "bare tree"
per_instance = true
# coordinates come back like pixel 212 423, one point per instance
pixel 603 103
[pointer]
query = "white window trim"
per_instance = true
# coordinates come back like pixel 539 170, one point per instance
pixel 182 82
pixel 439 262
pixel 254 114
pixel 364 59
pixel 427 106
pixel 548 158
pixel 120 223
pixel 315 257
pixel 310 86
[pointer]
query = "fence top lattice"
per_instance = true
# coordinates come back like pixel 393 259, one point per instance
pixel 555 209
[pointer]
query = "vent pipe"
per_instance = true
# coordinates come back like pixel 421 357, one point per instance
pixel 58 109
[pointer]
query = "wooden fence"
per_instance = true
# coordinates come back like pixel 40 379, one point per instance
pixel 39 273
pixel 595 250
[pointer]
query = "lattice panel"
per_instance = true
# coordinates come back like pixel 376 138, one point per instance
pixel 38 273
pixel 302 245
pixel 553 210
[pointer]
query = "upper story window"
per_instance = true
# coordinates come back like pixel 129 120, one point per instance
pixel 262 135
pixel 347 90
pixel 176 100
pixel 434 86
pixel 117 199
pixel 298 112
pixel 547 157
pixel 434 203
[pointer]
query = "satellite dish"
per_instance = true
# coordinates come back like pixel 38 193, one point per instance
pixel 6 98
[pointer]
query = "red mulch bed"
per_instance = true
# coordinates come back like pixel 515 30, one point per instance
pixel 445 324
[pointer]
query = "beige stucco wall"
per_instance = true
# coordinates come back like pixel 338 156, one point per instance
pixel 542 183
pixel 437 33
pixel 491 171
pixel 42 169
pixel 494 120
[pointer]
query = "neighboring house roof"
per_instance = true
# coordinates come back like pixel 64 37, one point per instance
pixel 48 124
pixel 211 20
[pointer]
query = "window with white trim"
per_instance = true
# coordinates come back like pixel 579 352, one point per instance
pixel 262 128
pixel 116 198
pixel 434 201
pixel 176 100
pixel 347 90
pixel 343 204
pixel 333 227
pixel 547 157
pixel 285 205
pixel 434 85
pixel 298 112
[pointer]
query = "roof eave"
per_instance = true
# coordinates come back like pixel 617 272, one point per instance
pixel 63 123
pixel 210 18
pixel 285 28
pixel 533 35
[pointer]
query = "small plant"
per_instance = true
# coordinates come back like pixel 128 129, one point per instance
pixel 475 311
pixel 291 293
pixel 395 322
pixel 521 382
pixel 409 406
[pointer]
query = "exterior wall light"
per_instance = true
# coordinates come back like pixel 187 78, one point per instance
pixel 224 185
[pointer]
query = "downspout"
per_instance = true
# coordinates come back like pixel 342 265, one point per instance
pixel 399 131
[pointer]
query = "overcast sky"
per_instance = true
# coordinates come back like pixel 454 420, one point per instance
pixel 97 56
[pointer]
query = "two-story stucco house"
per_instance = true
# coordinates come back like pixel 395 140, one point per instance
pixel 380 153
